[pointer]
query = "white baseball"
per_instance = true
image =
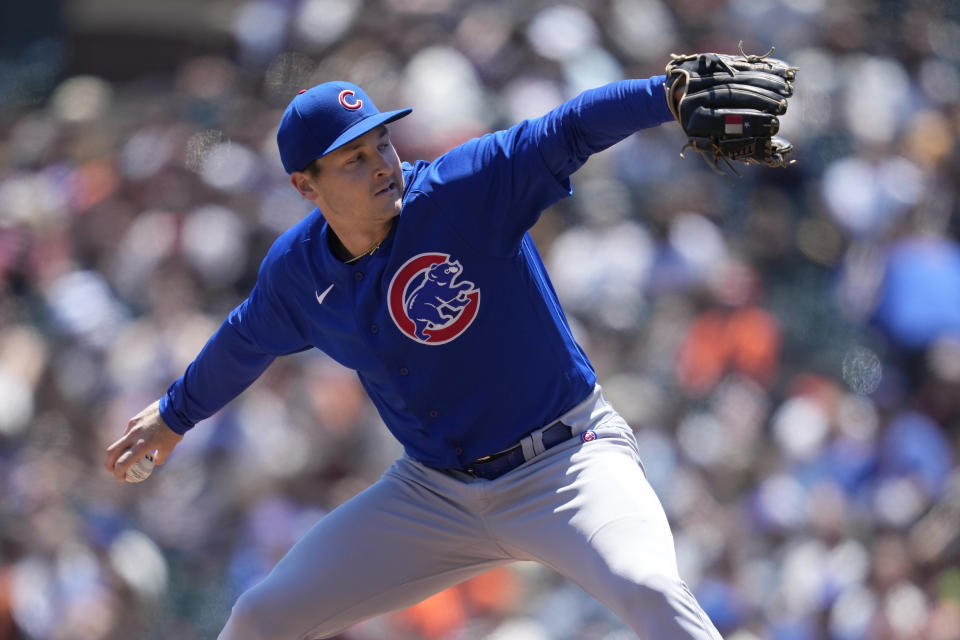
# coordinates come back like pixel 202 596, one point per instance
pixel 141 469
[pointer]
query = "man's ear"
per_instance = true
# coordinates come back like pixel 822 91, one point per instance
pixel 304 185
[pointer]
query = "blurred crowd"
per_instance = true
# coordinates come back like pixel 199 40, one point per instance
pixel 786 344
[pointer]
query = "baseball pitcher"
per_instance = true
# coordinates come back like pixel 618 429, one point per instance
pixel 422 278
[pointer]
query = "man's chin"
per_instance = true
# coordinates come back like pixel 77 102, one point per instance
pixel 385 214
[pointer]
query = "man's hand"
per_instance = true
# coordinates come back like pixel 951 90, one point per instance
pixel 146 432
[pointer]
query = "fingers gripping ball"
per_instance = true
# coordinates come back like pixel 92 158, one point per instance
pixel 141 469
pixel 729 106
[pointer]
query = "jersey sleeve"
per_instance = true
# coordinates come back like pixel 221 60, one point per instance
pixel 250 338
pixel 493 188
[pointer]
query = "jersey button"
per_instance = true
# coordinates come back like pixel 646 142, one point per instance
pixel 404 371
pixel 374 328
pixel 458 451
pixel 358 276
pixel 434 413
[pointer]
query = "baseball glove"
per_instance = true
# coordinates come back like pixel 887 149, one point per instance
pixel 728 106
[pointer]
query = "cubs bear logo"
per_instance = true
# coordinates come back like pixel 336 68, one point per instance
pixel 428 302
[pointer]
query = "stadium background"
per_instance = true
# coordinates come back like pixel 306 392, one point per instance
pixel 785 343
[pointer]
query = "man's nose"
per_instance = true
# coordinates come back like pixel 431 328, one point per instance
pixel 381 164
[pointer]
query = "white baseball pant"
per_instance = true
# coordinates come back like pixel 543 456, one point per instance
pixel 583 508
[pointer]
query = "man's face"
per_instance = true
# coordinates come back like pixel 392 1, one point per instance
pixel 362 180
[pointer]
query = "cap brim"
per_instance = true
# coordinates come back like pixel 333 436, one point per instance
pixel 364 126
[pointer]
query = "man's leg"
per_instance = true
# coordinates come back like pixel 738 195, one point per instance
pixel 387 548
pixel 587 510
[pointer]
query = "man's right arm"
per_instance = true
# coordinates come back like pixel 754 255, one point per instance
pixel 254 333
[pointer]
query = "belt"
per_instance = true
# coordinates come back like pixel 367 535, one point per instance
pixel 496 464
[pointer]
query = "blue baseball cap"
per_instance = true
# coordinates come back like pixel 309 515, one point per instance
pixel 324 118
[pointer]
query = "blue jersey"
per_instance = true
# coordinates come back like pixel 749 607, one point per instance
pixel 452 325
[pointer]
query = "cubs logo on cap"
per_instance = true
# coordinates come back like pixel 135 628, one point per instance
pixel 324 118
pixel 347 99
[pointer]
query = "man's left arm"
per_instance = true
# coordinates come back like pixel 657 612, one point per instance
pixel 495 187
pixel 597 119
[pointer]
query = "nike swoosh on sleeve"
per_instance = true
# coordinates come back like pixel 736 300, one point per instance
pixel 321 296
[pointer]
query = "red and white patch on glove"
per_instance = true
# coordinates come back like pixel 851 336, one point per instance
pixel 733 124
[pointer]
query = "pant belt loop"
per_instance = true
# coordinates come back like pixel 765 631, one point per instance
pixel 537 437
pixel 527 445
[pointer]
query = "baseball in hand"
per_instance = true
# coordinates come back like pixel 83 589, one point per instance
pixel 141 469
